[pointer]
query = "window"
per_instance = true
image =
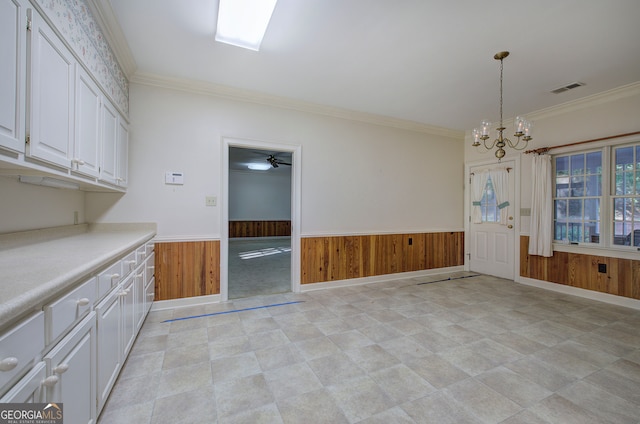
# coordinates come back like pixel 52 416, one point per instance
pixel 578 195
pixel 626 199
pixel 585 211
pixel 489 204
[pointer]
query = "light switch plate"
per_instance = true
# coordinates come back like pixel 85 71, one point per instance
pixel 210 200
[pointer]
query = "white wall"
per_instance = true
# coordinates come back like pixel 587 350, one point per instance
pixel 29 207
pixel 259 195
pixel 356 177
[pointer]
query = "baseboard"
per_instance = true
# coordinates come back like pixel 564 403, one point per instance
pixel 184 302
pixel 576 291
pixel 377 279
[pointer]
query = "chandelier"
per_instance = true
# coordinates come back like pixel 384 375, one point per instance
pixel 522 127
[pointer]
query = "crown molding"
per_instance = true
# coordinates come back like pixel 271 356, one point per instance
pixel 628 90
pixel 105 17
pixel 215 90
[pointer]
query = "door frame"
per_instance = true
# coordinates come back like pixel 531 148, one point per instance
pixel 296 155
pixel 516 211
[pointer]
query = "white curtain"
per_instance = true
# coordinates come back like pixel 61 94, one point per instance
pixel 500 180
pixel 478 182
pixel 541 235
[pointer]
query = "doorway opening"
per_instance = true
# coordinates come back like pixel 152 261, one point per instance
pixel 260 230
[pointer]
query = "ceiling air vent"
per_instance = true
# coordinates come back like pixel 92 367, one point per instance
pixel 567 87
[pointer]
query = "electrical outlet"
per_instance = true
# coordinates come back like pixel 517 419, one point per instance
pixel 210 200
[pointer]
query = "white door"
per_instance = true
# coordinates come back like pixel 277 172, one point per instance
pixel 52 96
pixel 491 244
pixel 109 170
pixel 71 369
pixel 86 150
pixel 13 33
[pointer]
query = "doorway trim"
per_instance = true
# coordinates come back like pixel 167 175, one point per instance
pixel 516 211
pixel 296 154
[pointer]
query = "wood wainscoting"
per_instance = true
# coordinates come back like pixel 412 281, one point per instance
pixel 187 269
pixel 622 276
pixel 259 229
pixel 344 257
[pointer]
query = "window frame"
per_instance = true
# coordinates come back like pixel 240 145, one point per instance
pixel 606 240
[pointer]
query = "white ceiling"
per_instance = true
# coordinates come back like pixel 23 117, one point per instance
pixel 428 61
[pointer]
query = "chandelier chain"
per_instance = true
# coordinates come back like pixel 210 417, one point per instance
pixel 501 68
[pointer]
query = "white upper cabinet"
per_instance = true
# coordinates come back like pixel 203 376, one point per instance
pixel 52 96
pixel 86 149
pixel 13 32
pixel 115 146
pixel 122 155
pixel 109 171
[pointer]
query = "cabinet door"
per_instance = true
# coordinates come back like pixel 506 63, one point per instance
pixel 52 96
pixel 86 151
pixel 139 286
pixel 108 170
pixel 127 301
pixel 109 340
pixel 71 373
pixel 13 36
pixel 123 154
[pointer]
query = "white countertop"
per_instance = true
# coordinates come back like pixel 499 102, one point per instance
pixel 37 266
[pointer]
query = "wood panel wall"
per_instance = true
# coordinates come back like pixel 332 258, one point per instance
pixel 259 228
pixel 344 257
pixel 579 270
pixel 187 269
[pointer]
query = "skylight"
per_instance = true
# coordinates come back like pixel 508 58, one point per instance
pixel 243 23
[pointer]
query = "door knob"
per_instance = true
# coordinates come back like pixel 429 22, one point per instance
pixel 509 226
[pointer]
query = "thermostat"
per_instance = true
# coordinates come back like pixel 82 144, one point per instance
pixel 176 178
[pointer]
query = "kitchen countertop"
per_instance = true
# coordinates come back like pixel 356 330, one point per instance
pixel 40 265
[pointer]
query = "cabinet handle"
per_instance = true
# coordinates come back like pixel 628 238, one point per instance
pixel 115 276
pixel 7 364
pixel 61 369
pixel 50 381
pixel 140 275
pixel 77 161
pixel 83 302
pixel 132 264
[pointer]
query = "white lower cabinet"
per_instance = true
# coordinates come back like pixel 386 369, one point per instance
pixel 109 339
pixel 71 366
pixel 90 330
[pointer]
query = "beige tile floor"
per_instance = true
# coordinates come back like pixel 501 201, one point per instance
pixel 468 350
pixel 259 266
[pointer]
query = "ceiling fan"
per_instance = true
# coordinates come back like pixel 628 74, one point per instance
pixel 275 162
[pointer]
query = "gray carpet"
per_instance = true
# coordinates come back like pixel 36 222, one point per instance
pixel 259 266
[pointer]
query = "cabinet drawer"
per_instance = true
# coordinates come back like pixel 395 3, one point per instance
pixel 129 264
pixel 29 389
pixel 62 313
pixel 19 346
pixel 109 278
pixel 149 247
